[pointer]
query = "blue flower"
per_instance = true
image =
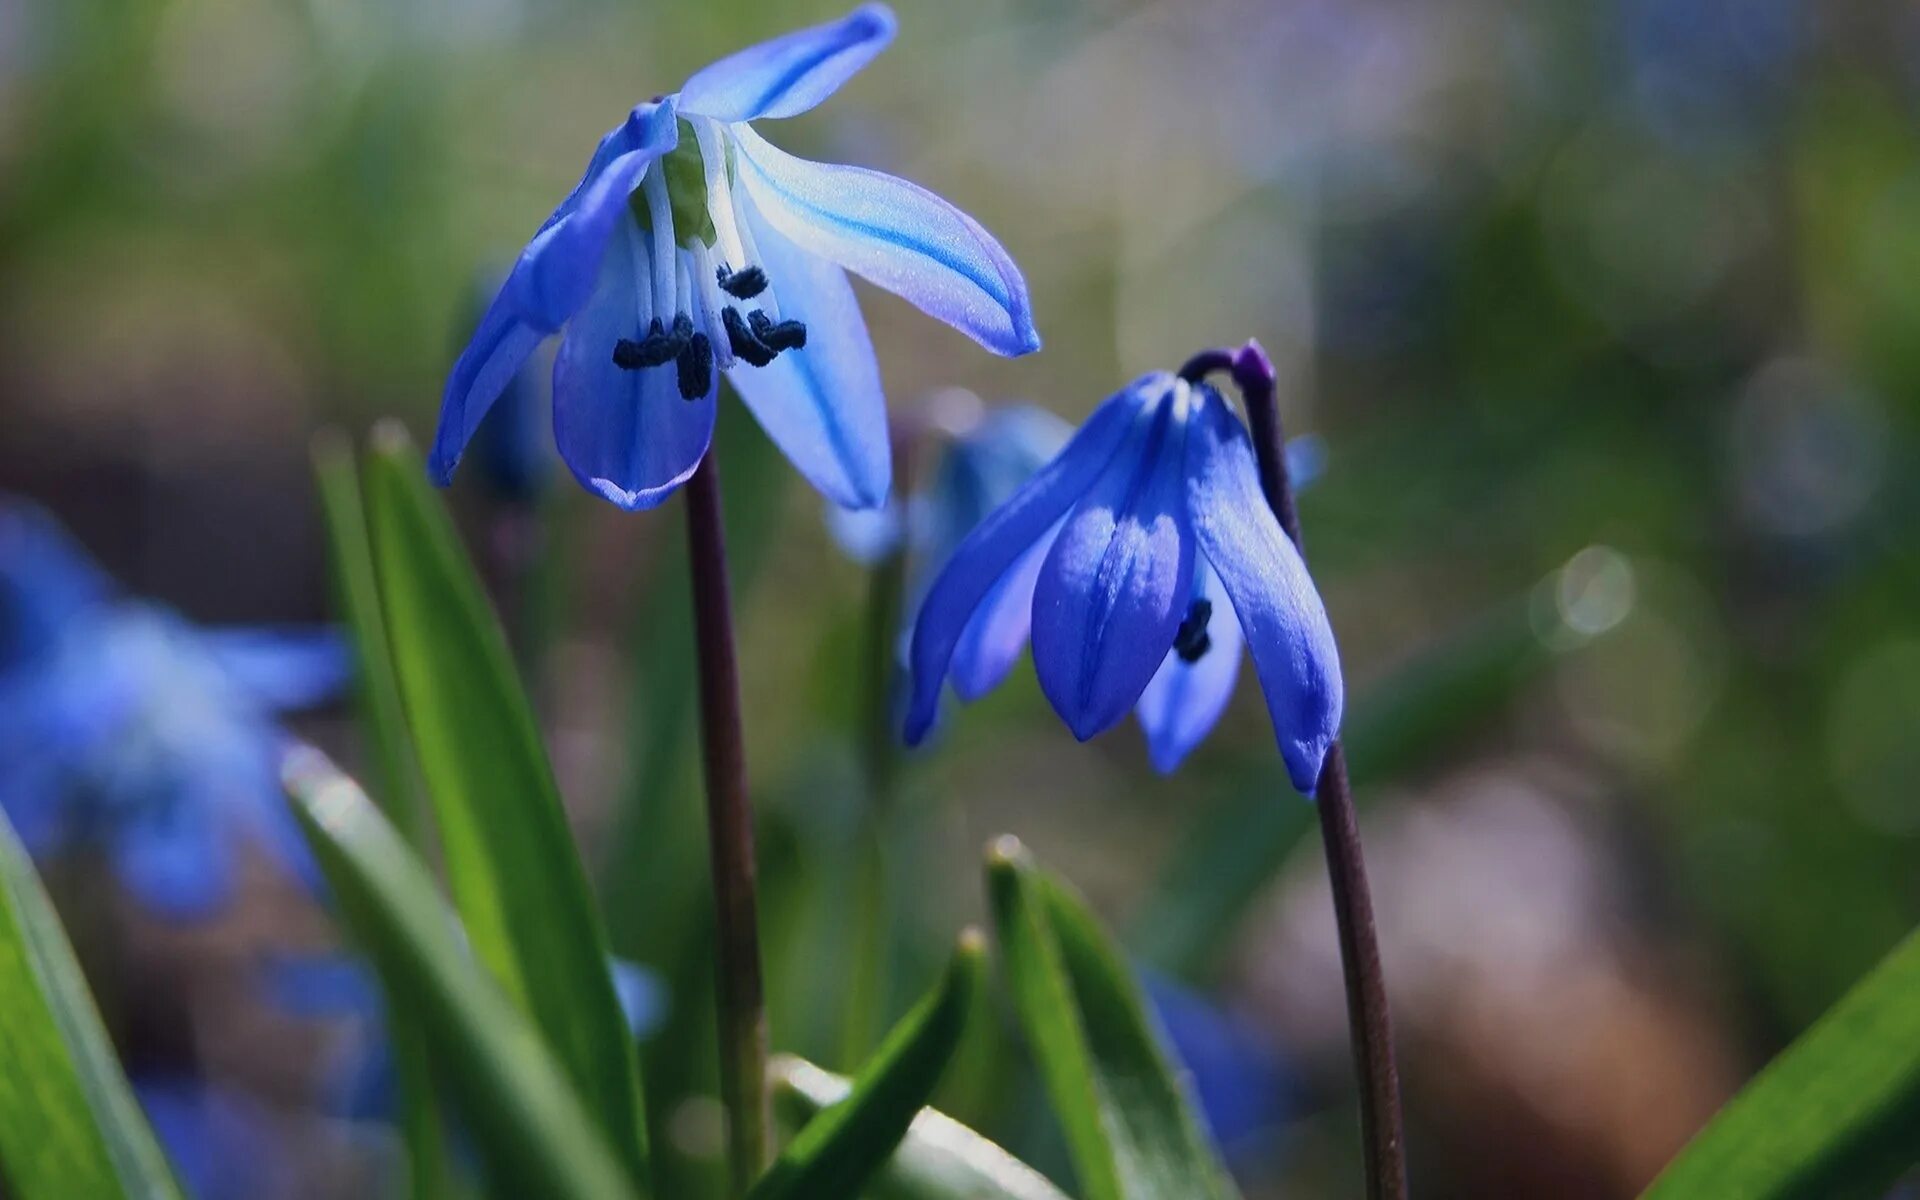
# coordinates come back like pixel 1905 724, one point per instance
pixel 222 1144
pixel 1139 561
pixel 692 246
pixel 1234 1070
pixel 126 731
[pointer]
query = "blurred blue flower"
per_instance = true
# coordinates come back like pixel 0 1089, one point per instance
pixel 128 732
pixel 690 245
pixel 364 1086
pixel 1236 1073
pixel 222 1144
pixel 1139 560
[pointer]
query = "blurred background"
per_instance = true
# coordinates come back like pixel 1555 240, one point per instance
pixel 1603 313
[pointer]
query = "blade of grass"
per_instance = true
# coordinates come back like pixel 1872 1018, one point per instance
pixel 1836 1115
pixel 515 873
pixel 939 1159
pixel 1130 1125
pixel 531 1126
pixel 835 1154
pixel 357 592
pixel 69 1125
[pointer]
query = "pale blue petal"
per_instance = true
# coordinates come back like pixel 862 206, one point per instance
pixel 283 668
pixel 46 580
pixel 1274 597
pixel 1115 586
pixel 792 73
pixel 866 535
pixel 896 234
pixel 1184 701
pixel 987 553
pixel 552 279
pixel 627 435
pixel 997 632
pixel 821 404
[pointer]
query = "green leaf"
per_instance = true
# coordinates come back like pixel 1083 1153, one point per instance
pixel 836 1153
pixel 1129 1124
pixel 511 861
pixel 1413 715
pixel 69 1125
pixel 1837 1114
pixel 357 592
pixel 939 1159
pixel 530 1124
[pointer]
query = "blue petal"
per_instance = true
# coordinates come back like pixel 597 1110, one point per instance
pixel 222 1145
pixel 1116 584
pixel 900 236
pixel 643 998
pixel 866 535
pixel 499 348
pixel 792 73
pixel 46 580
pixel 1274 597
pixel 552 279
pixel 182 868
pixel 821 404
pixel 984 557
pixel 627 435
pixel 283 668
pixel 997 632
pixel 1184 701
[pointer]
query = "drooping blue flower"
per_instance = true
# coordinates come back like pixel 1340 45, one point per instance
pixel 692 246
pixel 364 1085
pixel 126 731
pixel 1139 562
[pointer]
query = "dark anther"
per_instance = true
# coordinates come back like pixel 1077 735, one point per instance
pixel 695 366
pixel 745 344
pixel 1190 641
pixel 787 335
pixel 656 349
pixel 744 285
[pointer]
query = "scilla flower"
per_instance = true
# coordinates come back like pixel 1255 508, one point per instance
pixel 1141 560
pixel 692 247
pixel 128 732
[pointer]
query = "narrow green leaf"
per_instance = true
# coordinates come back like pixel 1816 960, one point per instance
pixel 511 861
pixel 1130 1126
pixel 530 1125
pixel 357 592
pixel 836 1153
pixel 1411 716
pixel 939 1159
pixel 1837 1114
pixel 69 1125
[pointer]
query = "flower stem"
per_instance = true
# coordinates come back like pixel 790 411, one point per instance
pixel 739 998
pixel 1368 1022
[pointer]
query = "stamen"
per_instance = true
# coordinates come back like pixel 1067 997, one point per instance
pixel 744 285
pixel 657 349
pixel 695 368
pixel 713 160
pixel 665 261
pixel 1191 641
pixel 743 342
pixel 706 278
pixel 768 300
pixel 786 335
